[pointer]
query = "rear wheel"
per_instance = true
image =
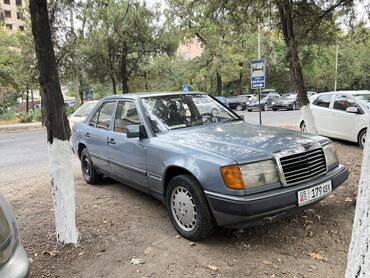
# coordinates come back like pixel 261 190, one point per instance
pixel 239 107
pixel 188 208
pixel 89 172
pixel 303 127
pixel 362 138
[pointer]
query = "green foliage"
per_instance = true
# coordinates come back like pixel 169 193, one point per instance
pixel 70 110
pixel 7 113
pixel 30 117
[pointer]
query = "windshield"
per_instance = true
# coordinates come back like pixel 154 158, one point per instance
pixel 288 97
pixel 85 109
pixel 186 110
pixel 364 98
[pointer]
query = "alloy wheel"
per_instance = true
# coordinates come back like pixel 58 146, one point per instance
pixel 183 208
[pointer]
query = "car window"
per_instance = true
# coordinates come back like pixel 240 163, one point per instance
pixel 126 115
pixel 323 101
pixel 94 119
pixel 105 115
pixel 342 102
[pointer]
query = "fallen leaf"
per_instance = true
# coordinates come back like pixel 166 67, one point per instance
pixel 213 268
pixel 53 253
pixel 267 262
pixel 148 250
pixel 136 261
pixel 80 254
pixel 318 257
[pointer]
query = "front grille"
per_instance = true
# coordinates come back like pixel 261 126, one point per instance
pixel 303 166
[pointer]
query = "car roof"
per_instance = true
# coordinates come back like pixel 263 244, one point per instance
pixel 359 92
pixel 150 94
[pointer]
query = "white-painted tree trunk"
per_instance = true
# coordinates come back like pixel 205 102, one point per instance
pixel 308 119
pixel 358 263
pixel 63 191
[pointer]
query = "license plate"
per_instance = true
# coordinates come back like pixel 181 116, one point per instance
pixel 313 193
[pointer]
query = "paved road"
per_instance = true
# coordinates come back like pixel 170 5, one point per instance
pixel 25 154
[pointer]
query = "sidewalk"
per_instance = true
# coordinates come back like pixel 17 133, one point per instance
pixel 20 127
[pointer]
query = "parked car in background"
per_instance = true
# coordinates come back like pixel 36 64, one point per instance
pixel 268 97
pixel 342 115
pixel 238 102
pixel 287 102
pixel 13 259
pixel 206 164
pixel 311 93
pixel 223 100
pixel 68 103
pixel 81 113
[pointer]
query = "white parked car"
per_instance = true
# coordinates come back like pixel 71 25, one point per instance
pixel 81 113
pixel 342 115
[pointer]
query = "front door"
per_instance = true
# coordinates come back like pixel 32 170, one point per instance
pixel 127 156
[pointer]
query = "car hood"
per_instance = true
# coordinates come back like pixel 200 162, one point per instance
pixel 239 141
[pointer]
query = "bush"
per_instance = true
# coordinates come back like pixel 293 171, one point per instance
pixel 8 115
pixel 32 116
pixel 70 110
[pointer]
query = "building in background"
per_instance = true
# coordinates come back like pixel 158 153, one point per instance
pixel 12 11
pixel 190 50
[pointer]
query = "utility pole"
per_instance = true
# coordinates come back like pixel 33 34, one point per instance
pixel 259 57
pixel 336 67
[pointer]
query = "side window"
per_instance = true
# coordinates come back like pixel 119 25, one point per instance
pixel 342 102
pixel 94 119
pixel 105 115
pixel 126 115
pixel 323 101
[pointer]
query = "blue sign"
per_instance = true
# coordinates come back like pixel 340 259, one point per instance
pixel 89 94
pixel 258 74
pixel 185 87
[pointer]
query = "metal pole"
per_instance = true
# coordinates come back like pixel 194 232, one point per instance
pixel 259 57
pixel 336 67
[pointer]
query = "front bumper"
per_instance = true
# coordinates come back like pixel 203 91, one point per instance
pixel 244 211
pixel 18 266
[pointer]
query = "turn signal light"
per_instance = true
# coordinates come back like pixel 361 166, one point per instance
pixel 232 177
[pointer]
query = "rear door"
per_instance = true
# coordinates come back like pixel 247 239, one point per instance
pixel 321 112
pixel 96 135
pixel 342 124
pixel 127 156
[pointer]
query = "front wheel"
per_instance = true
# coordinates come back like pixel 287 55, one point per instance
pixel 362 139
pixel 91 176
pixel 188 208
pixel 239 107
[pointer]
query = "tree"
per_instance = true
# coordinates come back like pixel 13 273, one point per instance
pixel 58 131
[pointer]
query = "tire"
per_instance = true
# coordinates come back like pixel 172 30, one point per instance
pixel 273 109
pixel 362 138
pixel 239 107
pixel 192 218
pixel 91 176
pixel 265 107
pixel 303 127
pixel 249 110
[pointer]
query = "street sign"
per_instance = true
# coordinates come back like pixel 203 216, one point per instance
pixel 258 74
pixel 185 87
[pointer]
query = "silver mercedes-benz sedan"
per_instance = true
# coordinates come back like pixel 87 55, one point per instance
pixel 203 161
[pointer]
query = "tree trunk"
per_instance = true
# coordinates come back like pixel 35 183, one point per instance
pixel 27 100
pixel 219 84
pixel 124 77
pixel 75 77
pixel 358 264
pixel 286 21
pixel 81 97
pixel 240 81
pixel 58 131
pixel 32 98
pixel 114 85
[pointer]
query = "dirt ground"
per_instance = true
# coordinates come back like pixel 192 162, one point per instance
pixel 117 223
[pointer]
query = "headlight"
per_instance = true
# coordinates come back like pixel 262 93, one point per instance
pixel 8 232
pixel 258 174
pixel 249 175
pixel 331 156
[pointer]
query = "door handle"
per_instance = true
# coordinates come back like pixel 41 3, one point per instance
pixel 111 141
pixel 87 135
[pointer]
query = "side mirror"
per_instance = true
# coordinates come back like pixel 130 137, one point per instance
pixel 352 110
pixel 136 131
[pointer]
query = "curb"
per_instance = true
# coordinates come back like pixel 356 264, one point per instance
pixel 20 127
